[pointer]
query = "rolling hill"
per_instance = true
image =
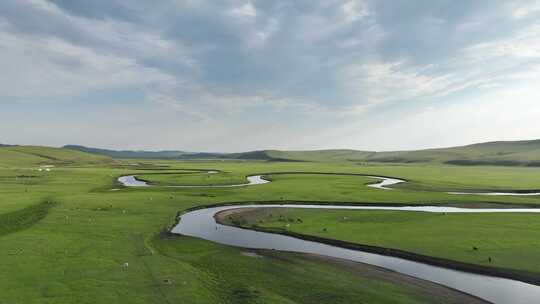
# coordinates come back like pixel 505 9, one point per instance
pixel 509 153
pixel 128 153
pixel 505 153
pixel 37 155
pixel 171 154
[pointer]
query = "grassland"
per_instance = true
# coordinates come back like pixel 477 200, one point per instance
pixel 193 178
pixel 73 251
pixel 24 218
pixel 510 241
pixel 13 156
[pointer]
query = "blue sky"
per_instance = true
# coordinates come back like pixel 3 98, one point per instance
pixel 243 75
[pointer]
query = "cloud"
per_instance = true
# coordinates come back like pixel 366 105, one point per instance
pixel 503 113
pixel 48 66
pixel 306 65
pixel 354 10
pixel 480 65
pixel 246 10
pixel 523 45
pixel 196 103
pixel 526 9
pixel 383 82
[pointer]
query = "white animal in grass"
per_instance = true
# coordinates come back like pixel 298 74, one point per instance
pixel 125 265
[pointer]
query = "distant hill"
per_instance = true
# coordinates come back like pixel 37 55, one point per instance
pixel 318 155
pixel 171 154
pixel 128 153
pixel 36 155
pixel 504 153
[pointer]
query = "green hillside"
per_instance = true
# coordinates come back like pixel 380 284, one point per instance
pixel 512 153
pixel 128 153
pixel 509 153
pixel 501 153
pixel 166 154
pixel 36 155
pixel 318 155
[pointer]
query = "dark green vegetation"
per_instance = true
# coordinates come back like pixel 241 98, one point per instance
pixel 509 241
pixel 510 153
pixel 74 251
pixel 23 218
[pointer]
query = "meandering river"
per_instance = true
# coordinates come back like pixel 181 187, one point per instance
pixel 383 184
pixel 132 181
pixel 202 224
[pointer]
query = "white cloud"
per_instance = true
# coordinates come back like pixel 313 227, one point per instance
pixel 196 102
pixel 246 10
pixel 218 67
pixel 483 65
pixel 380 82
pixel 47 66
pixel 354 10
pixel 262 36
pixel 496 114
pixel 523 45
pixel 43 5
pixel 527 9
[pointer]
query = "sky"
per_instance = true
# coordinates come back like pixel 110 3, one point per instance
pixel 237 75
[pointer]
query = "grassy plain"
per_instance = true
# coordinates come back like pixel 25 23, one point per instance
pixel 193 178
pixel 73 251
pixel 512 241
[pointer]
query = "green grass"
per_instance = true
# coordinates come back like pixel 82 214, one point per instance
pixel 193 178
pixel 428 178
pixel 75 255
pixel 23 218
pixel 511 240
pixel 75 251
pixel 274 278
pixel 13 156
